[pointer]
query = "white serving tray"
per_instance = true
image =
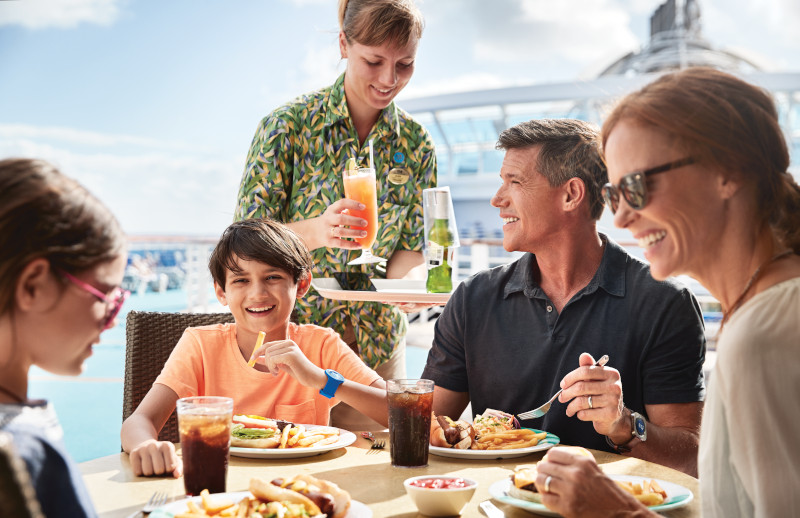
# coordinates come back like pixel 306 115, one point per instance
pixel 388 290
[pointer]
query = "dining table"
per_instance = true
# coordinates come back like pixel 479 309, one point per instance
pixel 366 473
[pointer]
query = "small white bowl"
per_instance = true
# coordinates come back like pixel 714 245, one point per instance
pixel 440 502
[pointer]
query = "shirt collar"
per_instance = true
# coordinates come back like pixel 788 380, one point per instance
pixel 337 111
pixel 610 274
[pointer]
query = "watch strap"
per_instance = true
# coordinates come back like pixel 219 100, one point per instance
pixel 620 448
pixel 334 380
pixel 625 446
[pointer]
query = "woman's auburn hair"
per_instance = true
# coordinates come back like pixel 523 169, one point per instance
pixel 374 22
pixel 726 123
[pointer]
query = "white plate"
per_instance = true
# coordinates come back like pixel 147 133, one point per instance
pixel 346 438
pixel 388 290
pixel 357 509
pixel 548 442
pixel 677 495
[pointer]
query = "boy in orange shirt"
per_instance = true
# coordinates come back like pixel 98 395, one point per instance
pixel 259 268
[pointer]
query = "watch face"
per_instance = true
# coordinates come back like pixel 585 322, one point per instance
pixel 334 375
pixel 640 429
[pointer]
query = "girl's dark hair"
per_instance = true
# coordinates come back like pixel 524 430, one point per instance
pixel 724 122
pixel 44 214
pixel 373 22
pixel 263 240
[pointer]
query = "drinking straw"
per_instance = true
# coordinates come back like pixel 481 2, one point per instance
pixel 371 166
pixel 259 343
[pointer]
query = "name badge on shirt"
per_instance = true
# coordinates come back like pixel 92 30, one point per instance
pixel 399 176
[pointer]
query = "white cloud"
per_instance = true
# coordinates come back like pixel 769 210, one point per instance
pixel 80 137
pixel 65 14
pixel 771 29
pixel 580 31
pixel 152 192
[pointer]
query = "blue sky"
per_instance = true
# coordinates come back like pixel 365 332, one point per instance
pixel 152 104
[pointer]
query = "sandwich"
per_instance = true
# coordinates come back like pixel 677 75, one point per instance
pixel 447 433
pixel 252 431
pixel 523 480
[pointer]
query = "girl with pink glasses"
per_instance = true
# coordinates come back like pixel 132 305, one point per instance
pixel 62 258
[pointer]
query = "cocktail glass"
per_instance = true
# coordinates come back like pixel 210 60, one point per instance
pixel 360 185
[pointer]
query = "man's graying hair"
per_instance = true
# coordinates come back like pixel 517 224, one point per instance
pixel 570 148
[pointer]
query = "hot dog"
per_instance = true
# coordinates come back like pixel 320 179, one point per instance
pixel 318 496
pixel 447 433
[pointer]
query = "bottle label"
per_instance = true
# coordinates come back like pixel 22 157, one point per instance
pixel 435 254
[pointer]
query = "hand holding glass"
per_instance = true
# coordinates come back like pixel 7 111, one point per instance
pixel 360 185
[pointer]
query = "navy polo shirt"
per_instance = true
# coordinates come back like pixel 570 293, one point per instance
pixel 501 339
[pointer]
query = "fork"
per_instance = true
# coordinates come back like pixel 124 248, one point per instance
pixel 542 410
pixel 377 444
pixel 156 500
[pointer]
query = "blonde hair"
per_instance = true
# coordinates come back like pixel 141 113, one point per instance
pixel 374 22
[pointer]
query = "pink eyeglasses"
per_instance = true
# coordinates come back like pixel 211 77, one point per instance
pixel 113 302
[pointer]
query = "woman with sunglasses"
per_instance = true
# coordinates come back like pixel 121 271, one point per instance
pixel 699 175
pixel 294 173
pixel 62 258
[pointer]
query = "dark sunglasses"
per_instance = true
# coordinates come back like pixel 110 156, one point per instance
pixel 113 302
pixel 634 186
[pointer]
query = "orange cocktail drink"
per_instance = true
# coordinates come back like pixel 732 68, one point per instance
pixel 359 185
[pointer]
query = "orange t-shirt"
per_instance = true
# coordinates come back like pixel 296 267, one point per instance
pixel 207 362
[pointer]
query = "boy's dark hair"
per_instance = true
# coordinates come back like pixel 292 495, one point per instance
pixel 263 240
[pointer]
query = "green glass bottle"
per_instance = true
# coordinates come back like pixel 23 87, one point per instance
pixel 440 251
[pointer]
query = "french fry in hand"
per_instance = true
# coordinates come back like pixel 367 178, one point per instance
pixel 259 343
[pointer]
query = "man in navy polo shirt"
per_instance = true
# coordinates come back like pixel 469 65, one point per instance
pixel 512 336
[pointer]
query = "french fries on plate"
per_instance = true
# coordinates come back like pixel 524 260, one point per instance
pixel 648 492
pixel 509 439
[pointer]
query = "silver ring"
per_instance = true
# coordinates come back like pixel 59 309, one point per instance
pixel 547 483
pixel 590 402
pixel 332 229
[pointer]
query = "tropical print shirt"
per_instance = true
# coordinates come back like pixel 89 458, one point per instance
pixel 294 171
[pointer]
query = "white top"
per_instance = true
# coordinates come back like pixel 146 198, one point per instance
pixel 749 459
